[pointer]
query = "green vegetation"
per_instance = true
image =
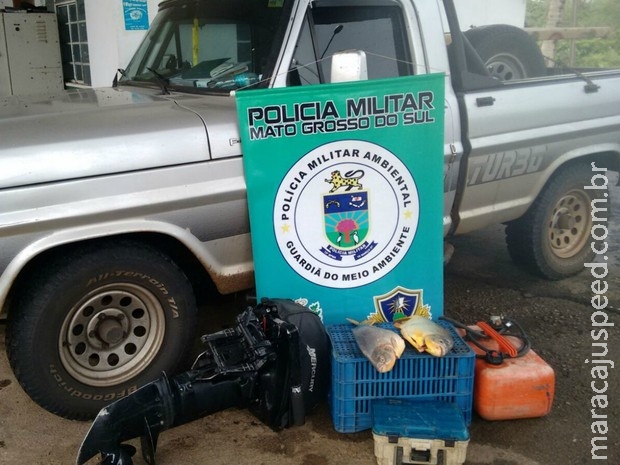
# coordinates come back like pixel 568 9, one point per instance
pixel 587 53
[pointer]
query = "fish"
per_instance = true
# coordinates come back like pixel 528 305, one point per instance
pixel 382 347
pixel 425 335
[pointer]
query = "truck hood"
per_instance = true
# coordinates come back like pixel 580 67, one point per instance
pixel 92 132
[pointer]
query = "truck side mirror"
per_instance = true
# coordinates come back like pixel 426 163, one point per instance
pixel 349 65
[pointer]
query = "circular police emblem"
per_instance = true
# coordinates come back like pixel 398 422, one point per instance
pixel 346 214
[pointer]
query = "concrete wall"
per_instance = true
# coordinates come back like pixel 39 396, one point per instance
pixel 480 12
pixel 110 46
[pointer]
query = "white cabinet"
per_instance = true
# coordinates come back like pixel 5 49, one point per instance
pixel 29 53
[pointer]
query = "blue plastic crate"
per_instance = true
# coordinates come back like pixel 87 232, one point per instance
pixel 356 383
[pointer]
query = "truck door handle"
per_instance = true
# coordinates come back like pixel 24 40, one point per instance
pixel 485 101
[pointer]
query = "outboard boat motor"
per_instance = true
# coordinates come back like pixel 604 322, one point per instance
pixel 275 361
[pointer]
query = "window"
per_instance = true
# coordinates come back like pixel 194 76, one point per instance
pixel 73 41
pixel 376 30
pixel 538 39
pixel 218 45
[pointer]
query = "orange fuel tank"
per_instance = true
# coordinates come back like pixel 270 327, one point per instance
pixel 521 387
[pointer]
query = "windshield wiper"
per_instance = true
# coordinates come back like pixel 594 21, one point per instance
pixel 161 80
pixel 590 86
pixel 123 73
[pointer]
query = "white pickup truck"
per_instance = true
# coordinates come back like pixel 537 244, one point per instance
pixel 119 206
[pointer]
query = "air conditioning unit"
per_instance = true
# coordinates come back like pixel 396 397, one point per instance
pixel 29 53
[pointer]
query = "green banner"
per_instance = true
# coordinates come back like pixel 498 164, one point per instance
pixel 345 191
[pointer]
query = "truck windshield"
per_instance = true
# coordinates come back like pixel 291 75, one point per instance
pixel 210 44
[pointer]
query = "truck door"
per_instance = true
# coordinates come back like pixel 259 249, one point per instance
pixel 390 36
pixel 522 119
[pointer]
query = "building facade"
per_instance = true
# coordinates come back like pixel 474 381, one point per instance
pixel 97 37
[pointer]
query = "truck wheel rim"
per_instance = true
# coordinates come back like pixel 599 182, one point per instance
pixel 112 334
pixel 570 224
pixel 506 67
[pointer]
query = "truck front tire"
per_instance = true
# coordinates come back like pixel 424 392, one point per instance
pixel 96 324
pixel 553 239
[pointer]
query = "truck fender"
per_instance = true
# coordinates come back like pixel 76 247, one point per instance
pixel 609 153
pixel 202 252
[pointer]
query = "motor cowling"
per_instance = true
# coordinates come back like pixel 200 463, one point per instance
pixel 301 372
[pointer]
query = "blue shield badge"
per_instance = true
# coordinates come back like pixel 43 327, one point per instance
pixel 399 303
